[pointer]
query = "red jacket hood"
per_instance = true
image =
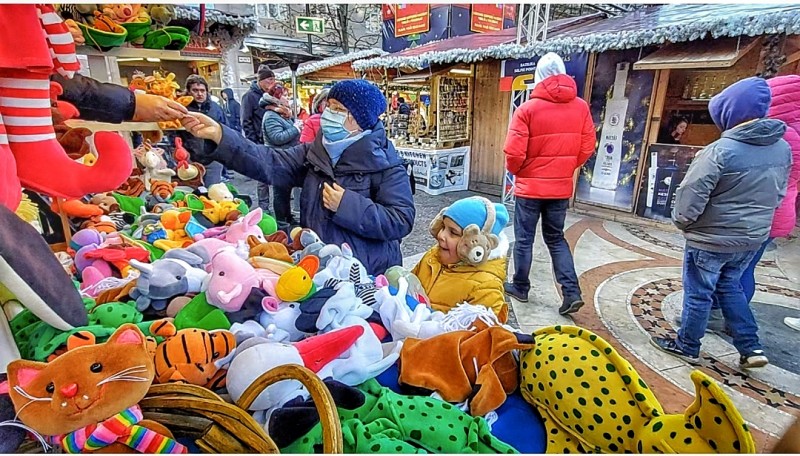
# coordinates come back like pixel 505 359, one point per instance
pixel 560 88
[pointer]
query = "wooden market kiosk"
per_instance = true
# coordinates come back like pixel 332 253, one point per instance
pixel 436 135
pixel 687 76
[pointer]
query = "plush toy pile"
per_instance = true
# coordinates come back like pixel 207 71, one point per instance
pixel 178 284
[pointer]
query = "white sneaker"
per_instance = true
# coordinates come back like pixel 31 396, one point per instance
pixel 793 323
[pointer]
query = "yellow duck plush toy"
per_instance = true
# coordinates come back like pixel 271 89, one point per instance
pixel 592 400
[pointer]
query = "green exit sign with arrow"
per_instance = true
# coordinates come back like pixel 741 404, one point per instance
pixel 314 25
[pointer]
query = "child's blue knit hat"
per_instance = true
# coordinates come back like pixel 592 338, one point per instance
pixel 472 211
pixel 363 99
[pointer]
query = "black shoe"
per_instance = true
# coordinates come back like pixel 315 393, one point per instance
pixel 512 291
pixel 570 305
pixel 668 345
pixel 755 358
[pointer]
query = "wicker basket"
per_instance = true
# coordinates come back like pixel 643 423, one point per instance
pixel 220 427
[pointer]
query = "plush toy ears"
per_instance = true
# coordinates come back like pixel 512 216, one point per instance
pixel 163 328
pixel 22 372
pixel 127 334
pixel 714 410
pixel 437 224
pixel 252 218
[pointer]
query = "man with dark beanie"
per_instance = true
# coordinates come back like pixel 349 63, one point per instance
pixel 725 206
pixel 252 117
pixel 355 187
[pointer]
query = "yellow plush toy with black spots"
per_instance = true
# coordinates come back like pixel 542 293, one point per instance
pixel 593 401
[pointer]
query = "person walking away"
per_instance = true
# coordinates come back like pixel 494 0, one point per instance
pixel 550 136
pixel 786 107
pixel 354 186
pixel 232 109
pixel 280 130
pixel 252 122
pixel 197 87
pixel 311 125
pixel 725 206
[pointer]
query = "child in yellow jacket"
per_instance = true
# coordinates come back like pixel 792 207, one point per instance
pixel 469 262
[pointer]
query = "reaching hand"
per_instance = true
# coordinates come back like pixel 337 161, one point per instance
pixel 154 108
pixel 332 196
pixel 202 126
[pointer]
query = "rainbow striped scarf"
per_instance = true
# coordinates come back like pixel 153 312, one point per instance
pixel 121 428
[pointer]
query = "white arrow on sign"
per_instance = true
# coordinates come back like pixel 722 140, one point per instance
pixel 304 25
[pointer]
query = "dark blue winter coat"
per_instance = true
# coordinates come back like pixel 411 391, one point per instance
pixel 253 114
pixel 232 110
pixel 377 209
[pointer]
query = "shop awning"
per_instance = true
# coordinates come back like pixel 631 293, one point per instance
pixel 718 53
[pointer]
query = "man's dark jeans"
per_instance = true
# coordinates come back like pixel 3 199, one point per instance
pixel 709 276
pixel 263 198
pixel 553 212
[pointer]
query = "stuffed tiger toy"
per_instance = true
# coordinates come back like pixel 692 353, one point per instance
pixel 188 355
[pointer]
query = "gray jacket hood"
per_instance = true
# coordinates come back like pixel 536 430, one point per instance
pixel 760 132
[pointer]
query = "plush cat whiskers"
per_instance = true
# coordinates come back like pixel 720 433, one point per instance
pixel 125 375
pixel 40 438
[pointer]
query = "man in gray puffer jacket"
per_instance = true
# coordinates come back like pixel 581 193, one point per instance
pixel 724 206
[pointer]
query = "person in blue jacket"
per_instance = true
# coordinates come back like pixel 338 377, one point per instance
pixel 232 109
pixel 354 186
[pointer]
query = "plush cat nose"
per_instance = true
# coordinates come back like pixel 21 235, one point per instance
pixel 70 390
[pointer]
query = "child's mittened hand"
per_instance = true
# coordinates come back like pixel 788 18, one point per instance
pixel 202 126
pixel 332 196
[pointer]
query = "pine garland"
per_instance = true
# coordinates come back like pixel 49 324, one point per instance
pixel 312 67
pixel 248 22
pixel 695 22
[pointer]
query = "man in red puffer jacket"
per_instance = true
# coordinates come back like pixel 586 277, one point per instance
pixel 550 136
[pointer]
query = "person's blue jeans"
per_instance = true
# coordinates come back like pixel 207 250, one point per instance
pixel 708 276
pixel 213 174
pixel 749 275
pixel 553 212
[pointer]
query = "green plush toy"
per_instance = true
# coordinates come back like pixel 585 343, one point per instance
pixel 592 400
pixel 198 313
pixel 38 340
pixel 390 423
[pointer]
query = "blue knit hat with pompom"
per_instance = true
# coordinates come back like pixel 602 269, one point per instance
pixel 362 98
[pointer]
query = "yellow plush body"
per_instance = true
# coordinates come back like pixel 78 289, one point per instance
pixel 592 400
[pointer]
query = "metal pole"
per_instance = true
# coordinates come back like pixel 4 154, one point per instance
pixel 310 43
pixel 294 90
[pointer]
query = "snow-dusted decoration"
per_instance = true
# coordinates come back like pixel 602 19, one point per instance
pixel 312 67
pixel 192 13
pixel 689 23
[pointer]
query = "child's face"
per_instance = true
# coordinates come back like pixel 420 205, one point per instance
pixel 448 238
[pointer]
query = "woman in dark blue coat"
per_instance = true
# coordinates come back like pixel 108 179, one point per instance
pixel 355 188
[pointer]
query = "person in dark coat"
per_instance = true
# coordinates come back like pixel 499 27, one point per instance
pixel 402 107
pixel 252 120
pixel 354 186
pixel 114 103
pixel 197 87
pixel 280 130
pixel 232 110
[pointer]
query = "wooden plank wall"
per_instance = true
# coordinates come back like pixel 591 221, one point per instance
pixel 489 126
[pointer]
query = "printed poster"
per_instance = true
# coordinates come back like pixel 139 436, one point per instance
pixel 411 19
pixel 486 17
pixel 620 102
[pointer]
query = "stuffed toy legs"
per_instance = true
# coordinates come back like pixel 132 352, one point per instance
pixel 35 43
